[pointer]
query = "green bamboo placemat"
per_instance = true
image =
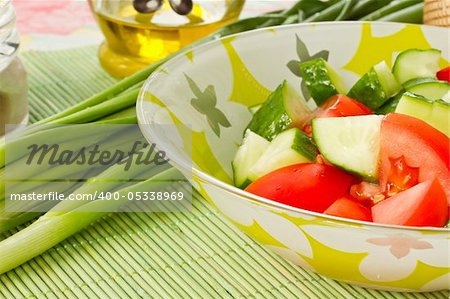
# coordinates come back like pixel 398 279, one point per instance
pixel 153 255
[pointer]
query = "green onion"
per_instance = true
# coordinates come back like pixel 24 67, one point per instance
pixel 412 14
pixel 53 228
pixel 115 140
pixel 346 10
pixel 136 80
pixel 129 112
pixel 328 14
pixel 308 8
pixel 124 117
pixel 301 16
pixel 291 20
pixel 119 141
pixel 394 6
pixel 96 112
pixel 59 134
pixel 10 220
pixel 116 178
pixel 364 7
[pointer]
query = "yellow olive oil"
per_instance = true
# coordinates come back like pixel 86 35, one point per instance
pixel 134 40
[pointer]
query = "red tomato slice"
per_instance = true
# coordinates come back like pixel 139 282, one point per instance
pixel 422 205
pixel 444 74
pixel 338 106
pixel 348 208
pixel 307 186
pixel 412 152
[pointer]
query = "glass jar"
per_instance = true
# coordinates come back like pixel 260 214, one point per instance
pixel 135 38
pixel 13 78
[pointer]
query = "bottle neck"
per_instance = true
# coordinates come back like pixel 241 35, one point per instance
pixel 9 39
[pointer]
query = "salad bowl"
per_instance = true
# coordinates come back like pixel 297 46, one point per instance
pixel 196 106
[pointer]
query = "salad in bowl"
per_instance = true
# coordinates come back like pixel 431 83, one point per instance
pixel 378 153
pixel 327 143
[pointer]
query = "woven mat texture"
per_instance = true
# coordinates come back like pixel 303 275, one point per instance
pixel 153 255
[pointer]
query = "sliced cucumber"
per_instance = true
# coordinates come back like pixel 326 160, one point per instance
pixel 415 63
pixel 283 109
pixel 390 105
pixel 375 87
pixel 415 105
pixel 253 146
pixel 290 147
pixel 435 113
pixel 440 116
pixel 254 108
pixel 320 78
pixel 368 90
pixel 352 143
pixel 387 79
pixel 428 87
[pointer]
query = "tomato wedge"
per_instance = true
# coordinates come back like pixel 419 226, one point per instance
pixel 444 74
pixel 338 106
pixel 307 186
pixel 412 151
pixel 422 205
pixel 348 208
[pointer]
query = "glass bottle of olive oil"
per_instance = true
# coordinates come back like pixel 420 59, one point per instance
pixel 135 39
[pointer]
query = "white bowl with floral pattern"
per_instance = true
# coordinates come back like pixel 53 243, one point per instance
pixel 202 99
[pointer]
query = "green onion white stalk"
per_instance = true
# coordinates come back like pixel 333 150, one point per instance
pixel 53 228
pixel 120 141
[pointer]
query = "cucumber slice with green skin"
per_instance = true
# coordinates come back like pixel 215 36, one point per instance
pixel 415 105
pixel 253 146
pixel 283 109
pixel 254 108
pixel 428 87
pixel 387 79
pixel 415 63
pixel 435 113
pixel 290 147
pixel 352 143
pixel 321 80
pixel 375 87
pixel 390 105
pixel 440 116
